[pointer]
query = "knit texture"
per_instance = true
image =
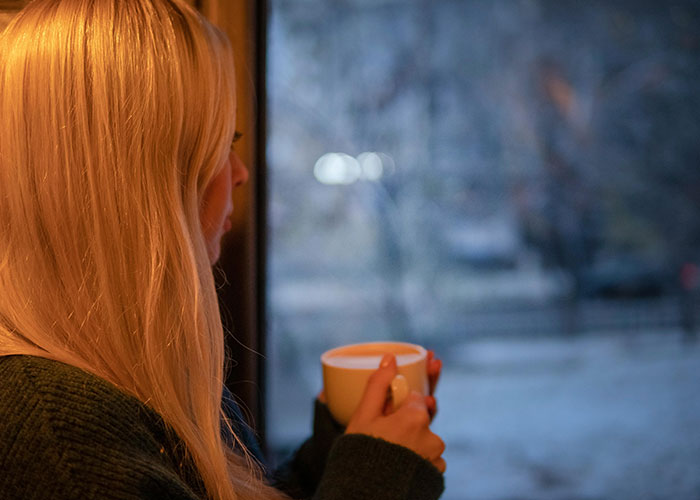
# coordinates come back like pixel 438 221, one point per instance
pixel 67 434
pixel 299 477
pixel 388 471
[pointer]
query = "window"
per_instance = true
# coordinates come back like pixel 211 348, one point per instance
pixel 514 184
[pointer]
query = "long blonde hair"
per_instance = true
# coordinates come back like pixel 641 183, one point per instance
pixel 114 116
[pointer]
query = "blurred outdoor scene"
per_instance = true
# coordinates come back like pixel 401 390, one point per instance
pixel 516 185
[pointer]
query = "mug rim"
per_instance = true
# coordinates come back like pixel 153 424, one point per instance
pixel 422 351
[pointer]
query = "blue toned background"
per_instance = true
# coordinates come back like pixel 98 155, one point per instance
pixel 516 185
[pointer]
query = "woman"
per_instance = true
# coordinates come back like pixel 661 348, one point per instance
pixel 116 170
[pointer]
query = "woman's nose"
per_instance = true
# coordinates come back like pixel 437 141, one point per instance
pixel 239 172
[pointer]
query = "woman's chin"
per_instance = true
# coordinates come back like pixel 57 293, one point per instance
pixel 214 252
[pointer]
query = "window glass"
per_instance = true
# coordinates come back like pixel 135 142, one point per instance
pixel 514 184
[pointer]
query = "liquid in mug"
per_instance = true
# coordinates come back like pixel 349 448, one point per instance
pixel 368 361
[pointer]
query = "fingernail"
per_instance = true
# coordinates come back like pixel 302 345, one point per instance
pixel 386 360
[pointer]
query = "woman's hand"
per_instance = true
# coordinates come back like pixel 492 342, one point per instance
pixel 408 426
pixel 434 371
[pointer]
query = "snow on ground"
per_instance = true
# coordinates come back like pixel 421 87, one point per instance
pixel 597 417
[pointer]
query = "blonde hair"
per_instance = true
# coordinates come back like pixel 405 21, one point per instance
pixel 114 116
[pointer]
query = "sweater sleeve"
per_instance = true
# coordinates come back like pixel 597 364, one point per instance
pixel 335 466
pixel 364 467
pixel 299 477
pixel 68 436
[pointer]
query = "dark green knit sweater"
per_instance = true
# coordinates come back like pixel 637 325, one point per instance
pixel 66 434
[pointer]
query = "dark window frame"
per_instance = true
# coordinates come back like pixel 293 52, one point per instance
pixel 241 271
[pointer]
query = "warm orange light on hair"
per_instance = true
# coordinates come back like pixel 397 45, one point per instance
pixel 114 116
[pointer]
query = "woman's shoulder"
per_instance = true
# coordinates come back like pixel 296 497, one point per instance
pixel 36 389
pixel 48 376
pixel 70 433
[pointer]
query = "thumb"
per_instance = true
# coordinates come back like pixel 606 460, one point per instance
pixel 373 400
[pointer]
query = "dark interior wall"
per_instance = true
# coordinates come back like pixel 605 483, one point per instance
pixel 8 9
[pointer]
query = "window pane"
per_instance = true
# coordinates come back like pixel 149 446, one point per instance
pixel 514 184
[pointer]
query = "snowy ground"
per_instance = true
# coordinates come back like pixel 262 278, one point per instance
pixel 604 417
pixel 590 418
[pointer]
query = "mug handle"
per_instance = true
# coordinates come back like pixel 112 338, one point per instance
pixel 399 390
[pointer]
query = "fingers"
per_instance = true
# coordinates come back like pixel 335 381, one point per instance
pixel 408 426
pixel 416 400
pixel 438 448
pixel 374 398
pixel 415 410
pixel 434 370
pixel 416 413
pixel 431 404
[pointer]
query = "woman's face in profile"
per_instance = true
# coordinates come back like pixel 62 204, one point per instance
pixel 217 204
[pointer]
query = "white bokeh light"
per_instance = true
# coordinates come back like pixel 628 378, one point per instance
pixel 372 167
pixel 337 168
pixel 343 169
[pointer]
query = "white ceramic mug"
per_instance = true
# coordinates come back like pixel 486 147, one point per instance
pixel 347 369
